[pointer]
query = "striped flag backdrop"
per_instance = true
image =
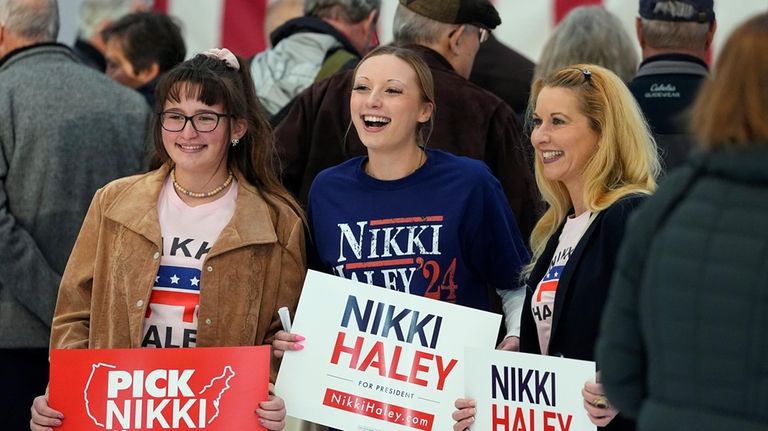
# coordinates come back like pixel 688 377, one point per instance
pixel 526 24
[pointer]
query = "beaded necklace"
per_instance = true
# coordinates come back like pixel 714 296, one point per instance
pixel 208 194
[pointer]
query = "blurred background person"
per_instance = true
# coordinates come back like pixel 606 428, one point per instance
pixel 278 12
pixel 596 162
pixel 331 36
pixel 95 15
pixel 66 131
pixel 140 48
pixel 683 342
pixel 504 72
pixel 675 37
pixel 589 34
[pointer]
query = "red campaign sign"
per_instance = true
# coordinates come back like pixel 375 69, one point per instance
pixel 159 389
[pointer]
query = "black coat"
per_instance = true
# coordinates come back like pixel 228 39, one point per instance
pixel 581 291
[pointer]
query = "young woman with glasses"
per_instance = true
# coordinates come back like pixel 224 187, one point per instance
pixel 595 162
pixel 210 223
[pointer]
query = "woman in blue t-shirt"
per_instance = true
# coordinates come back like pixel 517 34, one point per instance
pixel 408 218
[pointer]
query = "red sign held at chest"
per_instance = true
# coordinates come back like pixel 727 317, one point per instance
pixel 159 389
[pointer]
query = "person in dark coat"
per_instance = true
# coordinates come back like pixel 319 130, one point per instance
pixel 595 163
pixel 683 340
pixel 65 131
pixel 675 38
pixel 469 121
pixel 504 72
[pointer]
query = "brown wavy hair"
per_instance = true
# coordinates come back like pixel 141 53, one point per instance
pixel 732 106
pixel 211 81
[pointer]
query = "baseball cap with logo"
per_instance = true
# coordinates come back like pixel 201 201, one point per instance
pixel 475 12
pixel 678 10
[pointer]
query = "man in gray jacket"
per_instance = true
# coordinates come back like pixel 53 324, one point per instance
pixel 65 130
pixel 332 35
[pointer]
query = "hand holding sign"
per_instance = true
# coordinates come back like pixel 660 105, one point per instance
pixel 44 417
pixel 286 341
pixel 598 408
pixel 464 414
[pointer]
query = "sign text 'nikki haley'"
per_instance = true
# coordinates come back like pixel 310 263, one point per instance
pixel 519 391
pixel 385 357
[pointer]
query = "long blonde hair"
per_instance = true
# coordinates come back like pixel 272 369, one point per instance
pixel 625 162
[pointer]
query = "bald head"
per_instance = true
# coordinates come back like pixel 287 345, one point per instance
pixel 34 21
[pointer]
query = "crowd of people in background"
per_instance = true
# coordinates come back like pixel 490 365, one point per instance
pixel 611 211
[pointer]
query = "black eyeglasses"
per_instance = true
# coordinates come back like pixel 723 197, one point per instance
pixel 202 122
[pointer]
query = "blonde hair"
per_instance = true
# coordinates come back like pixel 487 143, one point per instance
pixel 625 162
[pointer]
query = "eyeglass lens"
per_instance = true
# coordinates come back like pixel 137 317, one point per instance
pixel 202 122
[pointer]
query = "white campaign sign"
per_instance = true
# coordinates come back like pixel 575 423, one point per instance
pixel 376 359
pixel 520 391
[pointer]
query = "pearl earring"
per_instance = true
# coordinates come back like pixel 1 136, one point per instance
pixel 235 142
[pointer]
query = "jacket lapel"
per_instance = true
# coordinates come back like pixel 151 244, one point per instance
pixel 136 207
pixel 565 277
pixel 251 223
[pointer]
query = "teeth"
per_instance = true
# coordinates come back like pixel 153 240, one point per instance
pixel 191 147
pixel 551 154
pixel 375 119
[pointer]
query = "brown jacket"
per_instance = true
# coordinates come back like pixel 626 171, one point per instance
pixel 256 266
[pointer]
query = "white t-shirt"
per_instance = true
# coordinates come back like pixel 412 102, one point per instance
pixel 543 302
pixel 188 234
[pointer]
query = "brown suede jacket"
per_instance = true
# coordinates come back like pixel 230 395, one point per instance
pixel 256 266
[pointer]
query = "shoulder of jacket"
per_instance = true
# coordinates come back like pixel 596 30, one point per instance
pixel 110 192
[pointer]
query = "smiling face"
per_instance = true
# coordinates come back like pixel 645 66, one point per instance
pixel 562 138
pixel 199 153
pixel 387 103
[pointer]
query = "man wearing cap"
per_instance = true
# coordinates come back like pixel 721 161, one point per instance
pixel 675 36
pixel 468 120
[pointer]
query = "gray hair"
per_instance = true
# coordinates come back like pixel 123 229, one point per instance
pixel 37 20
pixel 589 34
pixel 94 12
pixel 351 11
pixel 675 34
pixel 409 27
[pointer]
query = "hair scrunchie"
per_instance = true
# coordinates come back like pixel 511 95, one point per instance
pixel 224 55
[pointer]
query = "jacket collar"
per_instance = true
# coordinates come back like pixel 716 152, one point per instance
pixel 36 49
pixel 737 164
pixel 672 64
pixel 136 209
pixel 434 60
pixel 310 24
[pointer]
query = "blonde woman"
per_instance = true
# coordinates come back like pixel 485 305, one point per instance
pixel 595 163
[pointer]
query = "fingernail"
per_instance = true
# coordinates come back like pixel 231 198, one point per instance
pixel 473 411
pixel 300 338
pixel 297 346
pixel 473 403
pixel 57 422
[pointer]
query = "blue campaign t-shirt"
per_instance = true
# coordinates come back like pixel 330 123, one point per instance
pixel 444 232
